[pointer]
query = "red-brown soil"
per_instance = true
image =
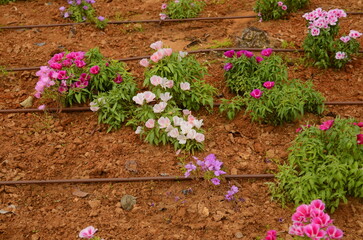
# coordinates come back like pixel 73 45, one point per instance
pixel 73 145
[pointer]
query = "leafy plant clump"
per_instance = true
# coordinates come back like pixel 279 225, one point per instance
pixel 182 71
pixel 3 2
pixel 275 9
pixel 321 44
pixel 180 9
pixel 325 162
pixel 280 100
pixel 81 11
pixel 76 77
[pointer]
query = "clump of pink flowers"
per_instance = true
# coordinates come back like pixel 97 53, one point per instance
pixel 320 19
pixel 211 167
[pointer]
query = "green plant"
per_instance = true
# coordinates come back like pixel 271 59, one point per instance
pixel 321 44
pixel 324 163
pixel 221 44
pixel 275 9
pixel 232 106
pixel 285 103
pixel 184 72
pixel 116 105
pixel 180 9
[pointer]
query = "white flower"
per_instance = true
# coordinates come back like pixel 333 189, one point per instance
pixel 182 139
pixel 139 98
pixel 191 134
pixel 183 54
pixel 186 127
pixel 199 137
pixel 164 122
pixel 93 107
pixel 165 96
pixel 177 120
pixel 138 130
pixel 156 80
pixel 185 86
pixel 174 133
pixel 158 108
pixel 149 96
pixel 198 123
pixel 186 112
pixel 150 123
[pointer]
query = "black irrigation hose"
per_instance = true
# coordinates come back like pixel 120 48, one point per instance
pixel 134 179
pixel 86 109
pixel 191 52
pixel 142 21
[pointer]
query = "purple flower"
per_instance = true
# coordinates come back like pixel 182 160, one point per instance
pixel 266 52
pixel 229 196
pixel 66 14
pixel 78 2
pixel 229 53
pixel 189 167
pixel 85 7
pixel 118 79
pixel 215 181
pixel 228 66
pixel 101 18
pixel 256 93
pixel 62 9
pixel 70 2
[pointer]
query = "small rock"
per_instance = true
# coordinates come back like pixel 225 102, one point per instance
pixel 77 141
pixel 35 237
pixel 40 44
pixel 27 102
pixel 79 193
pixel 131 166
pixel 218 216
pixel 128 202
pixel 202 210
pixel 94 203
pixel 238 235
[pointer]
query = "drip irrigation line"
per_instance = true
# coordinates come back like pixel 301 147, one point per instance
pixel 190 52
pixel 143 21
pixel 134 179
pixel 86 109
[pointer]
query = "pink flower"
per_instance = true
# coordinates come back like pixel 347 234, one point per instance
pixel 185 86
pixel 228 66
pixel 215 181
pixel 229 53
pixel 158 108
pixel 164 6
pixel 139 98
pixel 164 122
pixel 165 96
pixel 41 107
pixel 93 106
pixel 280 4
pixel 345 39
pixel 186 112
pixel 144 62
pixel 296 230
pixel 301 214
pixel 248 54
pixel 118 79
pixel 94 69
pixel 199 137
pixel 284 7
pixel 313 231
pixel 167 83
pixel 168 51
pixel 334 232
pixel 266 52
pixel 79 63
pixel 360 138
pixel 317 204
pixel 174 133
pixel 156 57
pixel 315 31
pixel 354 34
pixel 259 59
pixel 340 55
pixel 56 65
pixel 326 125
pixel 149 96
pixel 88 232
pixel 162 16
pixel 322 221
pixel 157 45
pixel 156 80
pixel 269 84
pixel 150 123
pixel 256 93
pixel 67 63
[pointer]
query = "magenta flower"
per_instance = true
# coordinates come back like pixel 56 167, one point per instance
pixel 62 75
pixel 79 63
pixel 88 232
pixel 248 54
pixel 284 7
pixel 228 66
pixel 229 53
pixel 259 59
pixel 317 204
pixel 280 4
pixel 256 93
pixel 164 6
pixel 301 214
pixel 84 77
pixel 315 31
pixel 345 39
pixel 360 138
pixel 269 84
pixel 326 125
pixel 334 232
pixel 56 65
pixel 354 34
pixel 118 79
pixel 215 181
pixel 266 52
pixel 41 107
pixel 94 69
pixel 313 231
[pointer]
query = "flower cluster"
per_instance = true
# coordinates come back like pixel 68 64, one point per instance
pixel 211 167
pixel 320 19
pixel 230 193
pixel 282 5
pixel 82 10
pixel 311 221
pixel 158 55
pixel 89 233
pixel 73 75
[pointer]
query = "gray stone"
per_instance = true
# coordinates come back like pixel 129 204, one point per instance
pixel 253 37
